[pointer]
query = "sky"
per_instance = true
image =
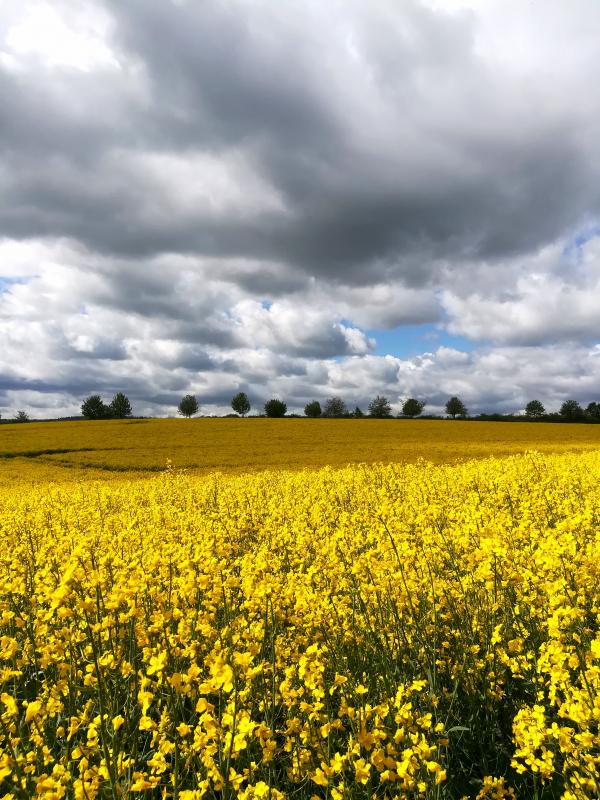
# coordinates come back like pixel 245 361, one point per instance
pixel 299 200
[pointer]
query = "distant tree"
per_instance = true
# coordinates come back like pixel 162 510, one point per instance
pixel 275 408
pixel 456 408
pixel 120 407
pixel 593 411
pixel 534 409
pixel 571 410
pixel 335 407
pixel 413 407
pixel 357 413
pixel 241 404
pixel 22 416
pixel 188 406
pixel 380 407
pixel 93 408
pixel 313 409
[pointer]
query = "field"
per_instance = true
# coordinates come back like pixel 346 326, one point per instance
pixel 411 630
pixel 41 452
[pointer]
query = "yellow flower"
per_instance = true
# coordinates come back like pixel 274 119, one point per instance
pixel 140 782
pixel 319 777
pixel 362 770
pixel 34 710
pixel 11 705
pixel 183 729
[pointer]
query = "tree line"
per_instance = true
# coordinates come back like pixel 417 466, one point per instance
pixel 570 409
pixel 93 407
pixel 380 408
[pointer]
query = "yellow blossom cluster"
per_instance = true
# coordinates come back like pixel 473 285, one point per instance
pixel 402 631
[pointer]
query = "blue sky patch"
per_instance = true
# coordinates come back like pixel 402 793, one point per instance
pixel 407 341
pixel 6 283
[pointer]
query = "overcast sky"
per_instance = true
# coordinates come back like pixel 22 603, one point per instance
pixel 299 199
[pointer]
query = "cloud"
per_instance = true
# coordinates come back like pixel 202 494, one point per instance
pixel 552 296
pixel 355 145
pixel 41 35
pixel 247 203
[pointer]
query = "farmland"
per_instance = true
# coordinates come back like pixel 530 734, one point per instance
pixel 39 452
pixel 273 622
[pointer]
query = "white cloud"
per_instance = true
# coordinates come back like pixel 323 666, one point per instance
pixel 198 184
pixel 296 327
pixel 161 327
pixel 551 296
pixel 69 34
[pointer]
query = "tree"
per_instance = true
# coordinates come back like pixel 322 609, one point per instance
pixel 593 411
pixel 275 408
pixel 534 409
pixel 413 407
pixel 380 407
pixel 241 404
pixel 456 408
pixel 335 407
pixel 120 407
pixel 357 413
pixel 313 409
pixel 93 408
pixel 188 406
pixel 22 416
pixel 571 410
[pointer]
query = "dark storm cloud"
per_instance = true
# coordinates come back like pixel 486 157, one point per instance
pixel 9 383
pixel 107 350
pixel 195 359
pixel 75 116
pixel 227 73
pixel 375 180
pixel 282 366
pixel 71 385
pixel 263 279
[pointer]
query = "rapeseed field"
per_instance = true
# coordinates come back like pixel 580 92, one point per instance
pixel 410 631
pixel 51 451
